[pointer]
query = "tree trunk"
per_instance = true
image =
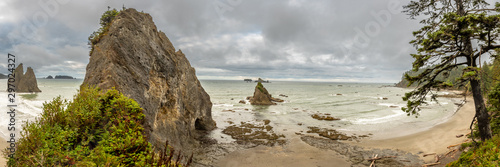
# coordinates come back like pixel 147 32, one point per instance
pixel 483 118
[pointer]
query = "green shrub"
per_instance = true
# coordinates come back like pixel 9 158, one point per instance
pixel 487 154
pixel 105 22
pixel 95 129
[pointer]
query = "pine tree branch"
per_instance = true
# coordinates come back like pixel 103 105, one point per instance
pixel 481 10
pixel 485 49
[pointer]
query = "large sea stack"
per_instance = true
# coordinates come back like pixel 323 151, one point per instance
pixel 25 82
pixel 141 62
pixel 261 96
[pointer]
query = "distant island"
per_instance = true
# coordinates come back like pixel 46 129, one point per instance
pixel 3 76
pixel 60 77
pixel 258 80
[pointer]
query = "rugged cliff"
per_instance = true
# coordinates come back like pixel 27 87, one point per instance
pixel 25 82
pixel 141 62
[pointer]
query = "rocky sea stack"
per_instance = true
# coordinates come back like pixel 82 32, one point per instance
pixel 25 82
pixel 141 62
pixel 262 97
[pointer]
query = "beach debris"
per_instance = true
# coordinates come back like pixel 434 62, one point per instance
pixel 373 161
pixel 425 155
pixel 338 94
pixel 460 135
pixel 243 102
pixel 282 95
pixel 385 98
pixel 360 156
pixel 324 117
pixel 378 158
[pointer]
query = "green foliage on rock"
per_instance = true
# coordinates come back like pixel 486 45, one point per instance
pixel 95 129
pixel 260 87
pixel 105 22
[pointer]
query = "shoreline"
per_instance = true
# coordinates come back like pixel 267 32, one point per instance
pixel 408 150
pixel 433 140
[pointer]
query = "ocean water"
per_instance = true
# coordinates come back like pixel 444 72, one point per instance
pixel 30 105
pixel 360 106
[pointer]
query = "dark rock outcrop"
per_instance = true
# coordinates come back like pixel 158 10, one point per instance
pixel 262 97
pixel 25 82
pixel 63 77
pixel 142 63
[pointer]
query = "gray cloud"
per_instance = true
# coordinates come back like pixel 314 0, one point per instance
pixel 323 40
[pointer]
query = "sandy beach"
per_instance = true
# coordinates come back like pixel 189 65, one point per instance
pixel 295 154
pixel 434 140
pixel 323 152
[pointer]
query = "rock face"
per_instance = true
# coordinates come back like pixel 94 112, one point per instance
pixel 142 63
pixel 25 82
pixel 261 96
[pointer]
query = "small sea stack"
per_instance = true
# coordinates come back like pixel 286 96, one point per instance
pixel 262 97
pixel 25 82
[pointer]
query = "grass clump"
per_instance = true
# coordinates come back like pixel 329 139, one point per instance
pixel 95 129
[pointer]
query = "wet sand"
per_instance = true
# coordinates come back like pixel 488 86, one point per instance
pixel 294 154
pixel 434 140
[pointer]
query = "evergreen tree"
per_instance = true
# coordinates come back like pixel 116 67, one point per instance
pixel 445 42
pixel 486 78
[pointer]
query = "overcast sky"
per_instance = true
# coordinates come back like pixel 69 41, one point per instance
pixel 321 40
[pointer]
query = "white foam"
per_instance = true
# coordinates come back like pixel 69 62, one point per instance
pixel 378 120
pixel 223 105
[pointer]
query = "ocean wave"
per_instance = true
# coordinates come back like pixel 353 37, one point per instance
pixel 378 120
pixel 391 105
pixel 222 105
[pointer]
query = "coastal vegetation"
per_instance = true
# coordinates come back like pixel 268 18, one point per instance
pixel 485 153
pixel 105 22
pixel 455 37
pixel 446 43
pixel 95 129
pixel 450 79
